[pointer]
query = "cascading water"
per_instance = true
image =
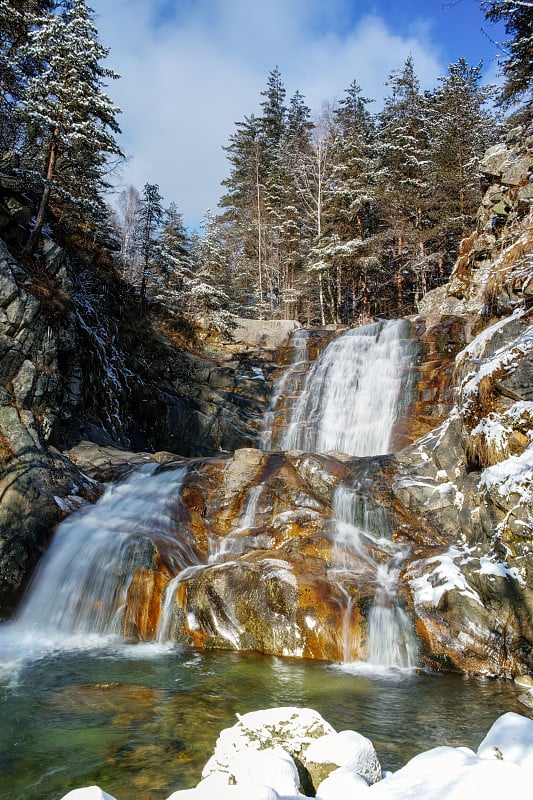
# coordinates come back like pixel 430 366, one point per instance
pixel 82 581
pixel 361 530
pixel 391 641
pixel 287 385
pixel 350 400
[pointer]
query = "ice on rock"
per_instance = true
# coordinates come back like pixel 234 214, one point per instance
pixel 347 749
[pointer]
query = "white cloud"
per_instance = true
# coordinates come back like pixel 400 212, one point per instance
pixel 192 68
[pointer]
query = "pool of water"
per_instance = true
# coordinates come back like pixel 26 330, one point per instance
pixel 141 720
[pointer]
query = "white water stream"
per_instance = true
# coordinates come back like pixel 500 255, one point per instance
pixel 361 530
pixel 286 386
pixel 82 580
pixel 350 399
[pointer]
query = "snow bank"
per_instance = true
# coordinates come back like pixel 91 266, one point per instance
pixel 448 773
pixel 502 766
pixel 510 739
pixel 88 793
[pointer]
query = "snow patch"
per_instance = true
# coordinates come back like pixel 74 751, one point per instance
pixel 512 476
pixel 429 588
pixel 499 569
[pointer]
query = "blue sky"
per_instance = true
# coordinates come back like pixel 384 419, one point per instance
pixel 192 68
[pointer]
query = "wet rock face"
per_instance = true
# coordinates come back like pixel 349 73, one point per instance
pixel 431 388
pixel 273 576
pixel 74 368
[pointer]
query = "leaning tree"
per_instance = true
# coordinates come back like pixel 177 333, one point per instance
pixel 70 121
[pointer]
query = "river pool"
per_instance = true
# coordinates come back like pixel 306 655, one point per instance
pixel 141 720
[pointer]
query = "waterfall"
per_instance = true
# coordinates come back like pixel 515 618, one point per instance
pixel 165 627
pixel 287 385
pixel 118 566
pixel 391 641
pixel 350 399
pixel 82 581
pixel 361 531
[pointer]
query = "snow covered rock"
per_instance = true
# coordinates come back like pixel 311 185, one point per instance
pixel 244 792
pixel 291 728
pixel 88 793
pixel 342 783
pixel 453 774
pixel 347 749
pixel 510 739
pixel 260 747
pixel 272 767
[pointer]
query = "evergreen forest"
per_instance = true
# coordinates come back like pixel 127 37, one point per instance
pixel 337 216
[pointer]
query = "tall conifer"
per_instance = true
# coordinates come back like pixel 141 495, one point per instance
pixel 70 120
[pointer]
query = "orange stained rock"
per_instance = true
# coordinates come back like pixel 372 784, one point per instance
pixel 144 603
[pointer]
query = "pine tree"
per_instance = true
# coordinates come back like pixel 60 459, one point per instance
pixel 70 121
pixel 172 262
pixel 298 125
pixel 207 299
pixel 209 253
pixel 462 128
pixel 274 113
pixel 150 217
pixel 288 244
pixel 12 33
pixel 243 206
pixel 404 185
pixel 350 219
pixel 517 58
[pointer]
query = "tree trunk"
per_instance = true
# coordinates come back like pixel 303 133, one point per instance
pixel 399 277
pixel 321 298
pixel 259 234
pixel 41 214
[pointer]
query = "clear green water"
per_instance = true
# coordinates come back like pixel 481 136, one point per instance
pixel 141 721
